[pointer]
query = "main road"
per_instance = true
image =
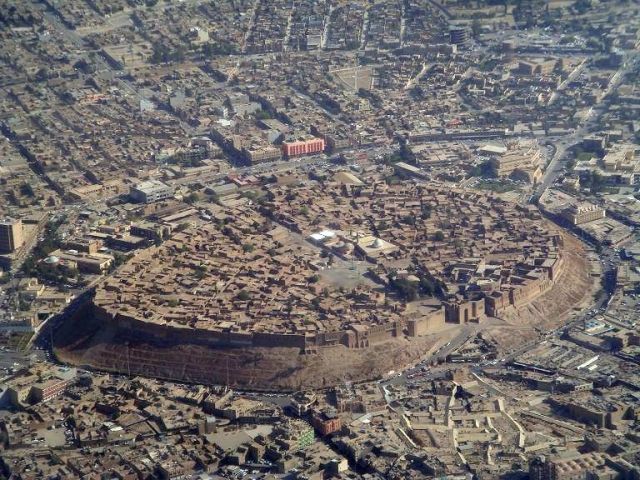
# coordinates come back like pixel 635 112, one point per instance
pixel 591 121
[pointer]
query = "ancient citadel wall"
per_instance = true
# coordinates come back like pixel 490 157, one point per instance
pixel 523 294
pixel 361 338
pixel 364 336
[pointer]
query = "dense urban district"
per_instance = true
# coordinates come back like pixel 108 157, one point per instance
pixel 320 239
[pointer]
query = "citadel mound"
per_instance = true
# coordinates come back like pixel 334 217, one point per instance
pixel 318 284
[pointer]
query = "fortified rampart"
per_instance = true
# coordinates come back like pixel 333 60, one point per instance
pixel 355 336
pixel 465 311
pixel 520 292
pixel 120 343
pixel 531 286
pixel 103 338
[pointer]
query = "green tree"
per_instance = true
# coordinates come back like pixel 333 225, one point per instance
pixel 427 286
pixel 262 115
pixel 425 212
pixel 476 27
pixel 485 170
pixel 405 152
pixel 406 290
pixel 193 197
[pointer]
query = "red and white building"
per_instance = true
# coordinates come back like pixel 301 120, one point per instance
pixel 302 147
pixel 43 392
pixel 325 424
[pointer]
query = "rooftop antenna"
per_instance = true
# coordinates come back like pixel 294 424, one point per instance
pixel 128 360
pixel 352 267
pixel 51 338
pixel 227 373
pixel 355 76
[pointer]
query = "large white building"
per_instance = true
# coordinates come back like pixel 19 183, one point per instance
pixel 150 191
pixel 584 213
